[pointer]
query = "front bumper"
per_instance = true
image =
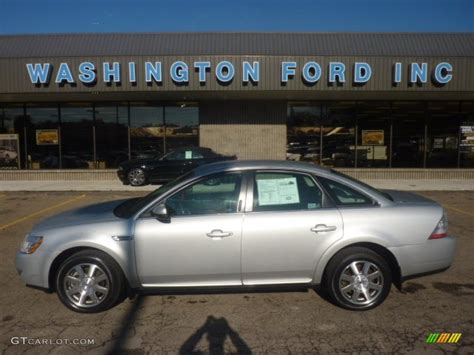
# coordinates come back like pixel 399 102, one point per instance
pixel 433 255
pixel 122 175
pixel 31 268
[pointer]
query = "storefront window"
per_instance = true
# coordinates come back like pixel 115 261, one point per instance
pixel 409 132
pixel 42 129
pixel 111 135
pixel 147 131
pixel 339 134
pixel 373 137
pixel 443 134
pixel 182 126
pixel 304 132
pixel 466 147
pixel 77 143
pixel 12 149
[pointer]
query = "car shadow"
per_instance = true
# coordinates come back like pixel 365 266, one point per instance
pixel 215 331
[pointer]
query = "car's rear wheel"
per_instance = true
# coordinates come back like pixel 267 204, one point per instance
pixel 137 177
pixel 358 279
pixel 89 281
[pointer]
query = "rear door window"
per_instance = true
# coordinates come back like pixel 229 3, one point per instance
pixel 275 191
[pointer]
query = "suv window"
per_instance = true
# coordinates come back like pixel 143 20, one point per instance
pixel 213 195
pixel 344 195
pixel 285 192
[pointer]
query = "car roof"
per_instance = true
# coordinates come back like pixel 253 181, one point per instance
pixel 229 165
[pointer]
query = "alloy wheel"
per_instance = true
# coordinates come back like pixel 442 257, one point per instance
pixel 86 285
pixel 136 177
pixel 361 282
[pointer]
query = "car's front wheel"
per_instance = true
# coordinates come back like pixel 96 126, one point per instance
pixel 89 281
pixel 358 279
pixel 137 177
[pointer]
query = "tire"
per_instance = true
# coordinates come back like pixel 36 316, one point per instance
pixel 359 291
pixel 83 294
pixel 137 177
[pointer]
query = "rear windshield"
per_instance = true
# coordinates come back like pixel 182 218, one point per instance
pixel 368 187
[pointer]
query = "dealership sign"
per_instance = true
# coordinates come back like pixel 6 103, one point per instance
pixel 225 71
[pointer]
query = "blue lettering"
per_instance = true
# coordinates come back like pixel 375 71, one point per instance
pixel 111 73
pixel 202 67
pixel 310 67
pixel 418 73
pixel 362 72
pixel 86 72
pixel 337 72
pixel 179 72
pixel 132 74
pixel 153 72
pixel 225 71
pixel 39 73
pixel 397 74
pixel 287 70
pixel 443 73
pixel 250 72
pixel 64 74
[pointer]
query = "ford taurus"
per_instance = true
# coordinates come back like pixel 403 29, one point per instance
pixel 240 224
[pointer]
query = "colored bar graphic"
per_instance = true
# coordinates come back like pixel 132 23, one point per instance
pixel 443 338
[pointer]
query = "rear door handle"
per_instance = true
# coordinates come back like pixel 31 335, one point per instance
pixel 218 234
pixel 322 228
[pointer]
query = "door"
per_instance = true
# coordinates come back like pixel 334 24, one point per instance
pixel 287 228
pixel 201 245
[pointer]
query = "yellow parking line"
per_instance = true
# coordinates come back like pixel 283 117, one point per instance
pixel 41 211
pixel 459 210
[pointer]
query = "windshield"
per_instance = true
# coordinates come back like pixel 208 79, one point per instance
pixel 128 208
pixel 368 187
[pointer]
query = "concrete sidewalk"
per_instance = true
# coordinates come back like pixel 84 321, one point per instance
pixel 408 185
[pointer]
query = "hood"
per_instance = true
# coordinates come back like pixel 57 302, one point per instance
pixel 88 214
pixel 407 197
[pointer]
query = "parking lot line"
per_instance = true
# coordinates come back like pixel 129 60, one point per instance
pixel 459 210
pixel 5 226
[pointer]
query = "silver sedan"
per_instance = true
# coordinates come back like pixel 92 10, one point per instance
pixel 240 225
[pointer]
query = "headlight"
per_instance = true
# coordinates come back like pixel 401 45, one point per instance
pixel 120 167
pixel 30 244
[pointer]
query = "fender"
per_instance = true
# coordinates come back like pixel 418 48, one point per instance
pixel 336 247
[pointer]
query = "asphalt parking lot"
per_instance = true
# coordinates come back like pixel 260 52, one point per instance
pixel 269 323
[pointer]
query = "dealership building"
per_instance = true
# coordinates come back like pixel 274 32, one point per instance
pixel 345 100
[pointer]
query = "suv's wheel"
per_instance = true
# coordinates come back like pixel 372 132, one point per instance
pixel 357 278
pixel 137 177
pixel 89 281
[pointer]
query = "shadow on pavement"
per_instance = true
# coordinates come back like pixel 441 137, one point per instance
pixel 127 324
pixel 215 330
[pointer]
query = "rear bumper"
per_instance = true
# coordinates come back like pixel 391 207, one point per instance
pixel 434 255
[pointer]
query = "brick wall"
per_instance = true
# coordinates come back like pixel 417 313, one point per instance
pixel 249 129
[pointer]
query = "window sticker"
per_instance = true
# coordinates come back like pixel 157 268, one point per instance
pixel 312 206
pixel 188 154
pixel 282 191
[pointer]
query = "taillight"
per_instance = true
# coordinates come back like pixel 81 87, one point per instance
pixel 441 230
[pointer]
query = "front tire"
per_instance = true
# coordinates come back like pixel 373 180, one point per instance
pixel 89 281
pixel 137 177
pixel 358 279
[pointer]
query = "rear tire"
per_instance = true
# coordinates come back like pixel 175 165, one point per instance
pixel 357 278
pixel 90 281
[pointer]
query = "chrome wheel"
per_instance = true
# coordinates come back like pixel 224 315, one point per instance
pixel 86 285
pixel 361 282
pixel 136 177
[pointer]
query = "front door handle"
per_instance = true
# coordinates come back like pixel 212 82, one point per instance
pixel 218 234
pixel 321 228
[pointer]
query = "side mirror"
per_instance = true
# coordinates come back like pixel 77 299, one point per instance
pixel 160 212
